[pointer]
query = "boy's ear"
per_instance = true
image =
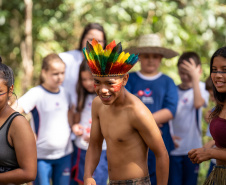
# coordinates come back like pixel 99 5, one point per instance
pixel 125 79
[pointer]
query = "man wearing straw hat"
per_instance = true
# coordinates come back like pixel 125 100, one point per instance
pixel 156 90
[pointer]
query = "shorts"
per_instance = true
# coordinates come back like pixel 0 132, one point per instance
pixel 217 176
pixel 137 181
pixel 56 169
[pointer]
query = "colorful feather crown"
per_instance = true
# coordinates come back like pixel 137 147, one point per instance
pixel 109 62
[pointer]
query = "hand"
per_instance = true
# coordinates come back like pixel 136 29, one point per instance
pixel 77 129
pixel 87 138
pixel 199 155
pixel 191 69
pixel 89 181
pixel 176 140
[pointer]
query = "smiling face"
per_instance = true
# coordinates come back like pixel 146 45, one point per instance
pixel 150 63
pixel 218 74
pixel 109 89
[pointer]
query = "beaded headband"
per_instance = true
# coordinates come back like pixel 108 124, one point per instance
pixel 109 62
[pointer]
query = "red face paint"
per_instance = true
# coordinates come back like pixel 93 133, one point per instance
pixel 95 86
pixel 117 87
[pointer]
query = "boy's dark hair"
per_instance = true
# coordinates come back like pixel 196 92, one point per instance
pixel 209 84
pixel 53 57
pixel 92 26
pixel 219 97
pixel 81 91
pixel 187 55
pixel 6 73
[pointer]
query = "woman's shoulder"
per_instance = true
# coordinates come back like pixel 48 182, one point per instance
pixel 19 122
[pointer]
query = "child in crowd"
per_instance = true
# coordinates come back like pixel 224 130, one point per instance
pixel 187 121
pixel 18 158
pixel 217 124
pixel 49 104
pixel 82 128
pixel 156 90
pixel 211 143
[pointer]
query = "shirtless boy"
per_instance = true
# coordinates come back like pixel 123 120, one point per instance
pixel 122 120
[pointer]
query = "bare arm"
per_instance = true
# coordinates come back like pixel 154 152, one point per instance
pixel 199 155
pixel 162 116
pixel 23 141
pixel 149 131
pixel 95 145
pixel 209 144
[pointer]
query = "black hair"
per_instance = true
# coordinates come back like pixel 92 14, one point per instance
pixel 209 84
pixel 46 62
pixel 219 97
pixel 81 91
pixel 6 73
pixel 187 55
pixel 92 26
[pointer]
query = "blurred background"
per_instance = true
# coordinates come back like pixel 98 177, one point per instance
pixel 31 29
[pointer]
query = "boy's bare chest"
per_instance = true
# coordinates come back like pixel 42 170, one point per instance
pixel 116 127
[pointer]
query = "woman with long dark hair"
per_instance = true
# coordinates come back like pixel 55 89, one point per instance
pixel 217 124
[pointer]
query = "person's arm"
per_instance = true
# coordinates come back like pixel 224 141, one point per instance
pixel 194 72
pixel 199 155
pixel 145 124
pixel 95 145
pixel 169 106
pixel 209 144
pixel 24 144
pixel 162 116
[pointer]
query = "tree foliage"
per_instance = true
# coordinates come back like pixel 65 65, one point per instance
pixel 183 25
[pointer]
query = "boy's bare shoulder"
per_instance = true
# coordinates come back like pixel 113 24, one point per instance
pixel 96 101
pixel 136 106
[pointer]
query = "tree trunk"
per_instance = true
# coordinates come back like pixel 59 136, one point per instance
pixel 27 48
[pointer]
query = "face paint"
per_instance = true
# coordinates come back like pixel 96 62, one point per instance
pixel 117 87
pixel 95 86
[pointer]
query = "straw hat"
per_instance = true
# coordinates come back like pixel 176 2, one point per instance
pixel 151 43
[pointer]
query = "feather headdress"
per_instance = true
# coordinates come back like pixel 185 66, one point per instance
pixel 109 62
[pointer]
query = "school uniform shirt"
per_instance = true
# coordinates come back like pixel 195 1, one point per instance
pixel 50 117
pixel 72 59
pixel 86 121
pixel 156 92
pixel 187 121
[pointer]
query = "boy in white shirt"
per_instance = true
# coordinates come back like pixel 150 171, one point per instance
pixel 187 121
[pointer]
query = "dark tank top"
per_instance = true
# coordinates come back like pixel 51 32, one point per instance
pixel 8 159
pixel 218 131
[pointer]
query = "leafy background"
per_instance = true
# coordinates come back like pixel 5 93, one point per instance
pixel 183 25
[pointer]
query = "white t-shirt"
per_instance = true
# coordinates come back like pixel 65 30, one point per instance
pixel 72 59
pixel 86 121
pixel 187 121
pixel 50 118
